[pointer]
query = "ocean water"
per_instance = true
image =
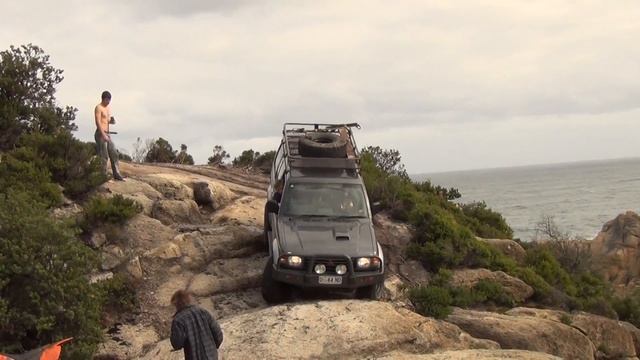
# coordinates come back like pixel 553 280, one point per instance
pixel 580 196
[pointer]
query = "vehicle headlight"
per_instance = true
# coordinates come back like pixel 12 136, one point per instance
pixel 363 263
pixel 294 261
pixel 291 261
pixel 341 269
pixel 320 269
pixel 368 263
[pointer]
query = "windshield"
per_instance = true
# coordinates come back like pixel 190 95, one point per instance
pixel 334 200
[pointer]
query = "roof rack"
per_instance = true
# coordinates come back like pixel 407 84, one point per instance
pixel 292 132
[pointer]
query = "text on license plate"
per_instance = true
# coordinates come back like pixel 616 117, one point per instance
pixel 330 280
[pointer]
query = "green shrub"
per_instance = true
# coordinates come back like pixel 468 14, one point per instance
pixel 118 295
pixel 113 210
pixel 485 222
pixel 44 292
pixel 434 301
pixel 25 177
pixel 71 162
pixel 628 308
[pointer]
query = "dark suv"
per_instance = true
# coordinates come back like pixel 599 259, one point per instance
pixel 318 224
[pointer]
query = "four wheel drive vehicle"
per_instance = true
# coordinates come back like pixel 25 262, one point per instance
pixel 318 226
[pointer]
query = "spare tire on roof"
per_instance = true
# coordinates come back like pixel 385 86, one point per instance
pixel 322 144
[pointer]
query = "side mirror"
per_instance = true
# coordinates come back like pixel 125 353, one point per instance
pixel 272 207
pixel 376 207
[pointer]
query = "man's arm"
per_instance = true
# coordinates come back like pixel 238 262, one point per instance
pixel 215 330
pixel 97 114
pixel 178 335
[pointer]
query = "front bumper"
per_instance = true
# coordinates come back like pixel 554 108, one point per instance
pixel 350 280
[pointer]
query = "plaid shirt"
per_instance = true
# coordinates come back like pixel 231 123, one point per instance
pixel 194 330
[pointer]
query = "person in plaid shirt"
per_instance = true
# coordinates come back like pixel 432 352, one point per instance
pixel 193 329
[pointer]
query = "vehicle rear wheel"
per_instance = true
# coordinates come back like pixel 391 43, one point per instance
pixel 322 144
pixel 273 291
pixel 372 292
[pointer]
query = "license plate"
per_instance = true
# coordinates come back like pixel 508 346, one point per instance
pixel 330 280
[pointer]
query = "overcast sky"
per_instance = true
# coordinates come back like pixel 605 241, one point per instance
pixel 451 84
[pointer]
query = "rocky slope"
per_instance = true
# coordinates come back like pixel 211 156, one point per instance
pixel 201 229
pixel 618 248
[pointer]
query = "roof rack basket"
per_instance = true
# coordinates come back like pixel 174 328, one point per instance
pixel 292 132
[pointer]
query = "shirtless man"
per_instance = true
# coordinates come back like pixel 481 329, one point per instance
pixel 104 146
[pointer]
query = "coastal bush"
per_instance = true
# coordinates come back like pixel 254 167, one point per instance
pixel 436 299
pixel 18 176
pixel 45 294
pixel 117 295
pixel 628 308
pixel 485 222
pixel 71 162
pixel 113 210
pixel 445 237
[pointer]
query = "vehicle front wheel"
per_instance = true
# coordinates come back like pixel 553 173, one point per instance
pixel 273 291
pixel 372 292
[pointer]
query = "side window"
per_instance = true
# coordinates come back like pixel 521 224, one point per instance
pixel 276 164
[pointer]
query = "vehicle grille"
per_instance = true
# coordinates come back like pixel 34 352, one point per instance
pixel 330 263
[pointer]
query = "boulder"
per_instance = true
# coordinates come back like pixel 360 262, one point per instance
pixel 69 209
pixel 247 210
pixel 130 187
pixel 99 277
pixel 635 334
pixel 211 194
pixel 553 315
pixel 393 236
pixel 177 211
pixel 414 272
pixel 225 241
pixel 617 246
pixel 508 247
pixel 472 355
pixel 144 232
pixel 165 251
pixel 228 275
pixel 608 336
pixel 332 330
pixel 145 202
pixel 97 239
pixel 525 333
pixel 134 268
pixel 515 287
pixel 169 188
pixel 111 257
pixel 127 342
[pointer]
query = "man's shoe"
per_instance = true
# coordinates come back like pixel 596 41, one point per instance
pixel 118 178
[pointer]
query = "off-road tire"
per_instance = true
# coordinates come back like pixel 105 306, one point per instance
pixel 372 292
pixel 268 208
pixel 322 144
pixel 273 292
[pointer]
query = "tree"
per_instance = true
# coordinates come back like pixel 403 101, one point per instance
pixel 45 294
pixel 160 151
pixel 27 96
pixel 264 161
pixel 183 157
pixel 219 156
pixel 574 254
pixel 388 160
pixel 140 149
pixel 123 155
pixel 246 159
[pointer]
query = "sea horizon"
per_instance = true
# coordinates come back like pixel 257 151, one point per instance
pixel 581 196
